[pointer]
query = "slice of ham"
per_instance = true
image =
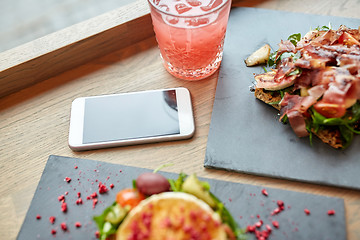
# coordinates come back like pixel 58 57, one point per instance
pixel 357 84
pixel 341 49
pixel 317 56
pixel 350 62
pixel 302 63
pixel 340 95
pixel 327 38
pixel 295 106
pixel 330 75
pixel 305 79
pixel 297 122
pixel 285 46
pixel 295 103
pixel 306 39
pixel 285 68
pixel 316 91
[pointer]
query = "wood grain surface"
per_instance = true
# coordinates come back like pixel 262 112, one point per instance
pixel 23 22
pixel 60 51
pixel 34 121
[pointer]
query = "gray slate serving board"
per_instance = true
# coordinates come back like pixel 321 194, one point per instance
pixel 245 134
pixel 245 202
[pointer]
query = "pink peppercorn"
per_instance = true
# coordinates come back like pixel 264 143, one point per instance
pixel 78 224
pixel 52 219
pixel 63 226
pixel 331 212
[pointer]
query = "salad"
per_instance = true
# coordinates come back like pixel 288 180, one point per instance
pixel 182 208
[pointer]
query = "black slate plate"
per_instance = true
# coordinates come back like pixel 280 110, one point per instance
pixel 245 134
pixel 244 201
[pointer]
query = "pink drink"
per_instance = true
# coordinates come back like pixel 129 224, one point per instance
pixel 190 34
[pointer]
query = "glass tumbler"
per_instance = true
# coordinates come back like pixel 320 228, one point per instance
pixel 190 35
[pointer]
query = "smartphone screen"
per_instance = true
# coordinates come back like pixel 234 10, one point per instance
pixel 130 116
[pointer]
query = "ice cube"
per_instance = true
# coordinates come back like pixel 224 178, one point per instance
pixel 164 7
pixel 212 4
pixel 197 22
pixel 193 3
pixel 172 20
pixel 182 8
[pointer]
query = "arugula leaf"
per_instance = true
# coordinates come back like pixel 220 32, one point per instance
pixel 352 129
pixel 310 137
pixel 284 120
pixel 295 38
pixel 348 119
pixel 227 218
pixel 344 124
pixel 205 185
pixel 105 228
pixel 163 166
pixel 285 90
pixel 319 119
pixel 272 59
pixel 355 113
pixel 294 56
pixel 175 185
pixel 323 28
pixel 297 71
pixel 273 103
pixel 346 135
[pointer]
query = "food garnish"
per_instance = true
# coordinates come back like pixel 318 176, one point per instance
pixel 314 82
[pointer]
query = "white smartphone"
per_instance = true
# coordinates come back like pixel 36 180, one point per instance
pixel 131 118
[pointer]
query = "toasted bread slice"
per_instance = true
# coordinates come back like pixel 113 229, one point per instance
pixel 172 215
pixel 329 136
pixel 269 97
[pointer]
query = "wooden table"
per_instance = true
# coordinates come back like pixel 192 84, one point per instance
pixel 40 79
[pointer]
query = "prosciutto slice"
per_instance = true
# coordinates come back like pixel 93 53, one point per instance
pixel 317 91
pixel 294 106
pixel 285 46
pixel 298 124
pixel 340 95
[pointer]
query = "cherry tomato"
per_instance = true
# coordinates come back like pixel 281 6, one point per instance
pixel 348 39
pixel 129 196
pixel 330 110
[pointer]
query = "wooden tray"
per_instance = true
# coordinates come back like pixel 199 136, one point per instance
pixel 63 50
